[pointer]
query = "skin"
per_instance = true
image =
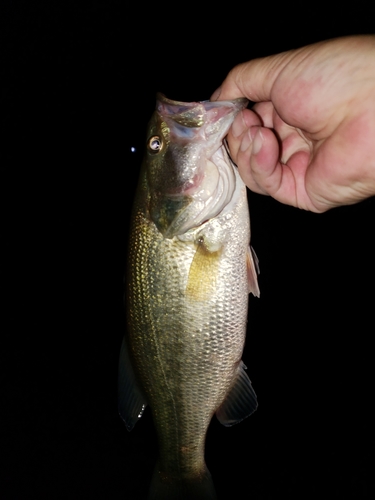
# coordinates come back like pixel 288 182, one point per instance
pixel 309 141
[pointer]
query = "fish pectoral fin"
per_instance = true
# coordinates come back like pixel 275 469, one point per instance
pixel 131 402
pixel 240 402
pixel 252 265
pixel 203 272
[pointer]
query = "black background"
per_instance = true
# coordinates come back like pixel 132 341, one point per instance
pixel 78 86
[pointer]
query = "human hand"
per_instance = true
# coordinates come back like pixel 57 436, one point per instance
pixel 309 141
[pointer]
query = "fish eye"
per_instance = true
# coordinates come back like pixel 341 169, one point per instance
pixel 155 144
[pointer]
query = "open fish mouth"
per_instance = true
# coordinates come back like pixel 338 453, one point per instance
pixel 198 180
pixel 204 121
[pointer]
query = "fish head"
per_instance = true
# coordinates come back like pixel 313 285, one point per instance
pixel 189 174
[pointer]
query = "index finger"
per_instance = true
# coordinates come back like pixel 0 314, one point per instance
pixel 253 79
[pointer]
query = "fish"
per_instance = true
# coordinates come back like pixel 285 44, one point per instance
pixel 190 269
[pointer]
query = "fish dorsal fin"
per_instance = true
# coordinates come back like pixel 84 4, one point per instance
pixel 131 402
pixel 240 402
pixel 252 265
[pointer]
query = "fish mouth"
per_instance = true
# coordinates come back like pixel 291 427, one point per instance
pixel 212 117
pixel 201 164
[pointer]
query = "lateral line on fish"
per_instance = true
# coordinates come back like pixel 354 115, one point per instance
pixel 169 390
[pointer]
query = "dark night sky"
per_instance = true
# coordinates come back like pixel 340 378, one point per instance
pixel 77 87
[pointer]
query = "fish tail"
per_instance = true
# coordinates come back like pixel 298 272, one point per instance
pixel 165 488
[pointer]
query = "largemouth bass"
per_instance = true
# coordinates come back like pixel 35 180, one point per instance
pixel 190 269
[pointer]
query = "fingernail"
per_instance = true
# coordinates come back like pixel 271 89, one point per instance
pixel 255 137
pixel 238 126
pixel 246 141
pixel 257 142
pixel 215 96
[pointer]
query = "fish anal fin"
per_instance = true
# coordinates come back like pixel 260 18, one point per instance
pixel 131 402
pixel 240 402
pixel 252 265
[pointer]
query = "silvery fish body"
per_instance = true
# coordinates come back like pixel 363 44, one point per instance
pixel 190 269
